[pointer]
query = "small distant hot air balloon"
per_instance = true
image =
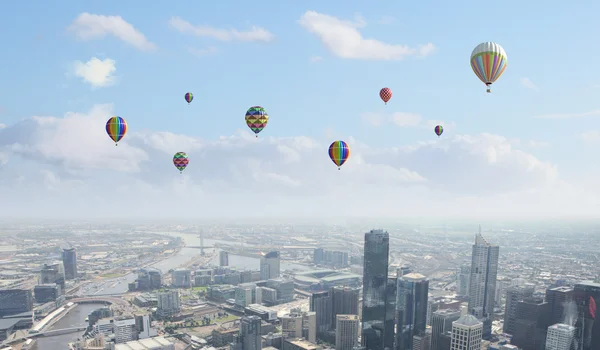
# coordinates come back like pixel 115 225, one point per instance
pixel 181 161
pixel 189 97
pixel 116 128
pixel 439 130
pixel 385 94
pixel 257 118
pixel 339 152
pixel 488 61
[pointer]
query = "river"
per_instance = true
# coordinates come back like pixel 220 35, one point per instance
pixel 119 285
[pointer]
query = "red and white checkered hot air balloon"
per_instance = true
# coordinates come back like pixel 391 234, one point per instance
pixel 385 94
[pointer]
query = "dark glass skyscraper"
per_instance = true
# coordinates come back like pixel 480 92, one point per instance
pixel 390 313
pixel 411 305
pixel 250 333
pixel 587 297
pixel 344 301
pixel 69 258
pixel 375 277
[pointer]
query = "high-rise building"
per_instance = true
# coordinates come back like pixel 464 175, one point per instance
pixel 441 322
pixel 467 333
pixel 53 273
pixel 346 332
pixel 421 341
pixel 462 280
pixel 223 258
pixel 390 313
pixel 375 277
pixel 587 297
pixel 245 294
pixel 411 306
pixel 513 296
pixel 482 282
pixel 168 303
pixel 69 258
pixel 560 337
pixel 269 265
pixel 532 322
pixel 15 301
pixel 250 335
pixel 320 303
pixel 558 297
pixel 46 292
pixel 344 301
pixel 181 278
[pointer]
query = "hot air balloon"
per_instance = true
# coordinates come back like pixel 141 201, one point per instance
pixel 339 152
pixel 488 61
pixel 257 118
pixel 116 128
pixel 181 161
pixel 189 97
pixel 385 94
pixel 439 130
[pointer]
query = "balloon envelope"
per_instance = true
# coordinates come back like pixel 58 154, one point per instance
pixel 257 118
pixel 116 128
pixel 385 94
pixel 339 152
pixel 439 130
pixel 488 61
pixel 180 160
pixel 189 97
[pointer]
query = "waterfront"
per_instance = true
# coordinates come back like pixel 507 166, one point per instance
pixel 75 318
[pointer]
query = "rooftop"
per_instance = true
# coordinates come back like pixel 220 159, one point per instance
pixel 468 320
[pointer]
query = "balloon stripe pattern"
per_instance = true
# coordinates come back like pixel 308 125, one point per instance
pixel 439 130
pixel 189 97
pixel 488 61
pixel 116 128
pixel 257 119
pixel 385 94
pixel 181 161
pixel 339 152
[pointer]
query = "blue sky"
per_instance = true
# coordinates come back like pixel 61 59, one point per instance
pixel 551 46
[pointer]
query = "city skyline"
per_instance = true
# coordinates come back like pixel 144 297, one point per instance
pixel 518 152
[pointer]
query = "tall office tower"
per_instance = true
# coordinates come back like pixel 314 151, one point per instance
pixel 320 303
pixel 587 297
pixel 390 313
pixel 411 306
pixel 560 337
pixel 467 333
pixel 69 258
pixel 15 301
pixel 344 301
pixel 223 258
pixel 375 277
pixel 52 273
pixel 441 322
pixel 482 283
pixel 346 332
pixel 462 280
pixel 532 322
pixel 558 297
pixel 421 341
pixel 513 296
pixel 269 265
pixel 250 335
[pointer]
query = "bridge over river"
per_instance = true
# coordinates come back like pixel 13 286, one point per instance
pixel 50 333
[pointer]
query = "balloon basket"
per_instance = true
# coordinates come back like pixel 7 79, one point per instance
pixel 489 91
pixel 116 144
pixel 256 136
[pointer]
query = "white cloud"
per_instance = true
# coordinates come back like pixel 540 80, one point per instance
pixel 203 52
pixel 526 82
pixel 315 59
pixel 96 72
pixel 343 39
pixel 404 119
pixel 591 137
pixel 569 115
pixel 2 126
pixel 88 26
pixel 254 34
pixel 84 175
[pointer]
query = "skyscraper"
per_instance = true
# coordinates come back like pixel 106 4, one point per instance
pixel 269 265
pixel 441 322
pixel 532 322
pixel 560 337
pixel 587 297
pixel 482 282
pixel 390 313
pixel 320 303
pixel 466 333
pixel 558 297
pixel 513 296
pixel 223 258
pixel 375 277
pixel 346 332
pixel 462 280
pixel 411 306
pixel 250 335
pixel 344 301
pixel 69 258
